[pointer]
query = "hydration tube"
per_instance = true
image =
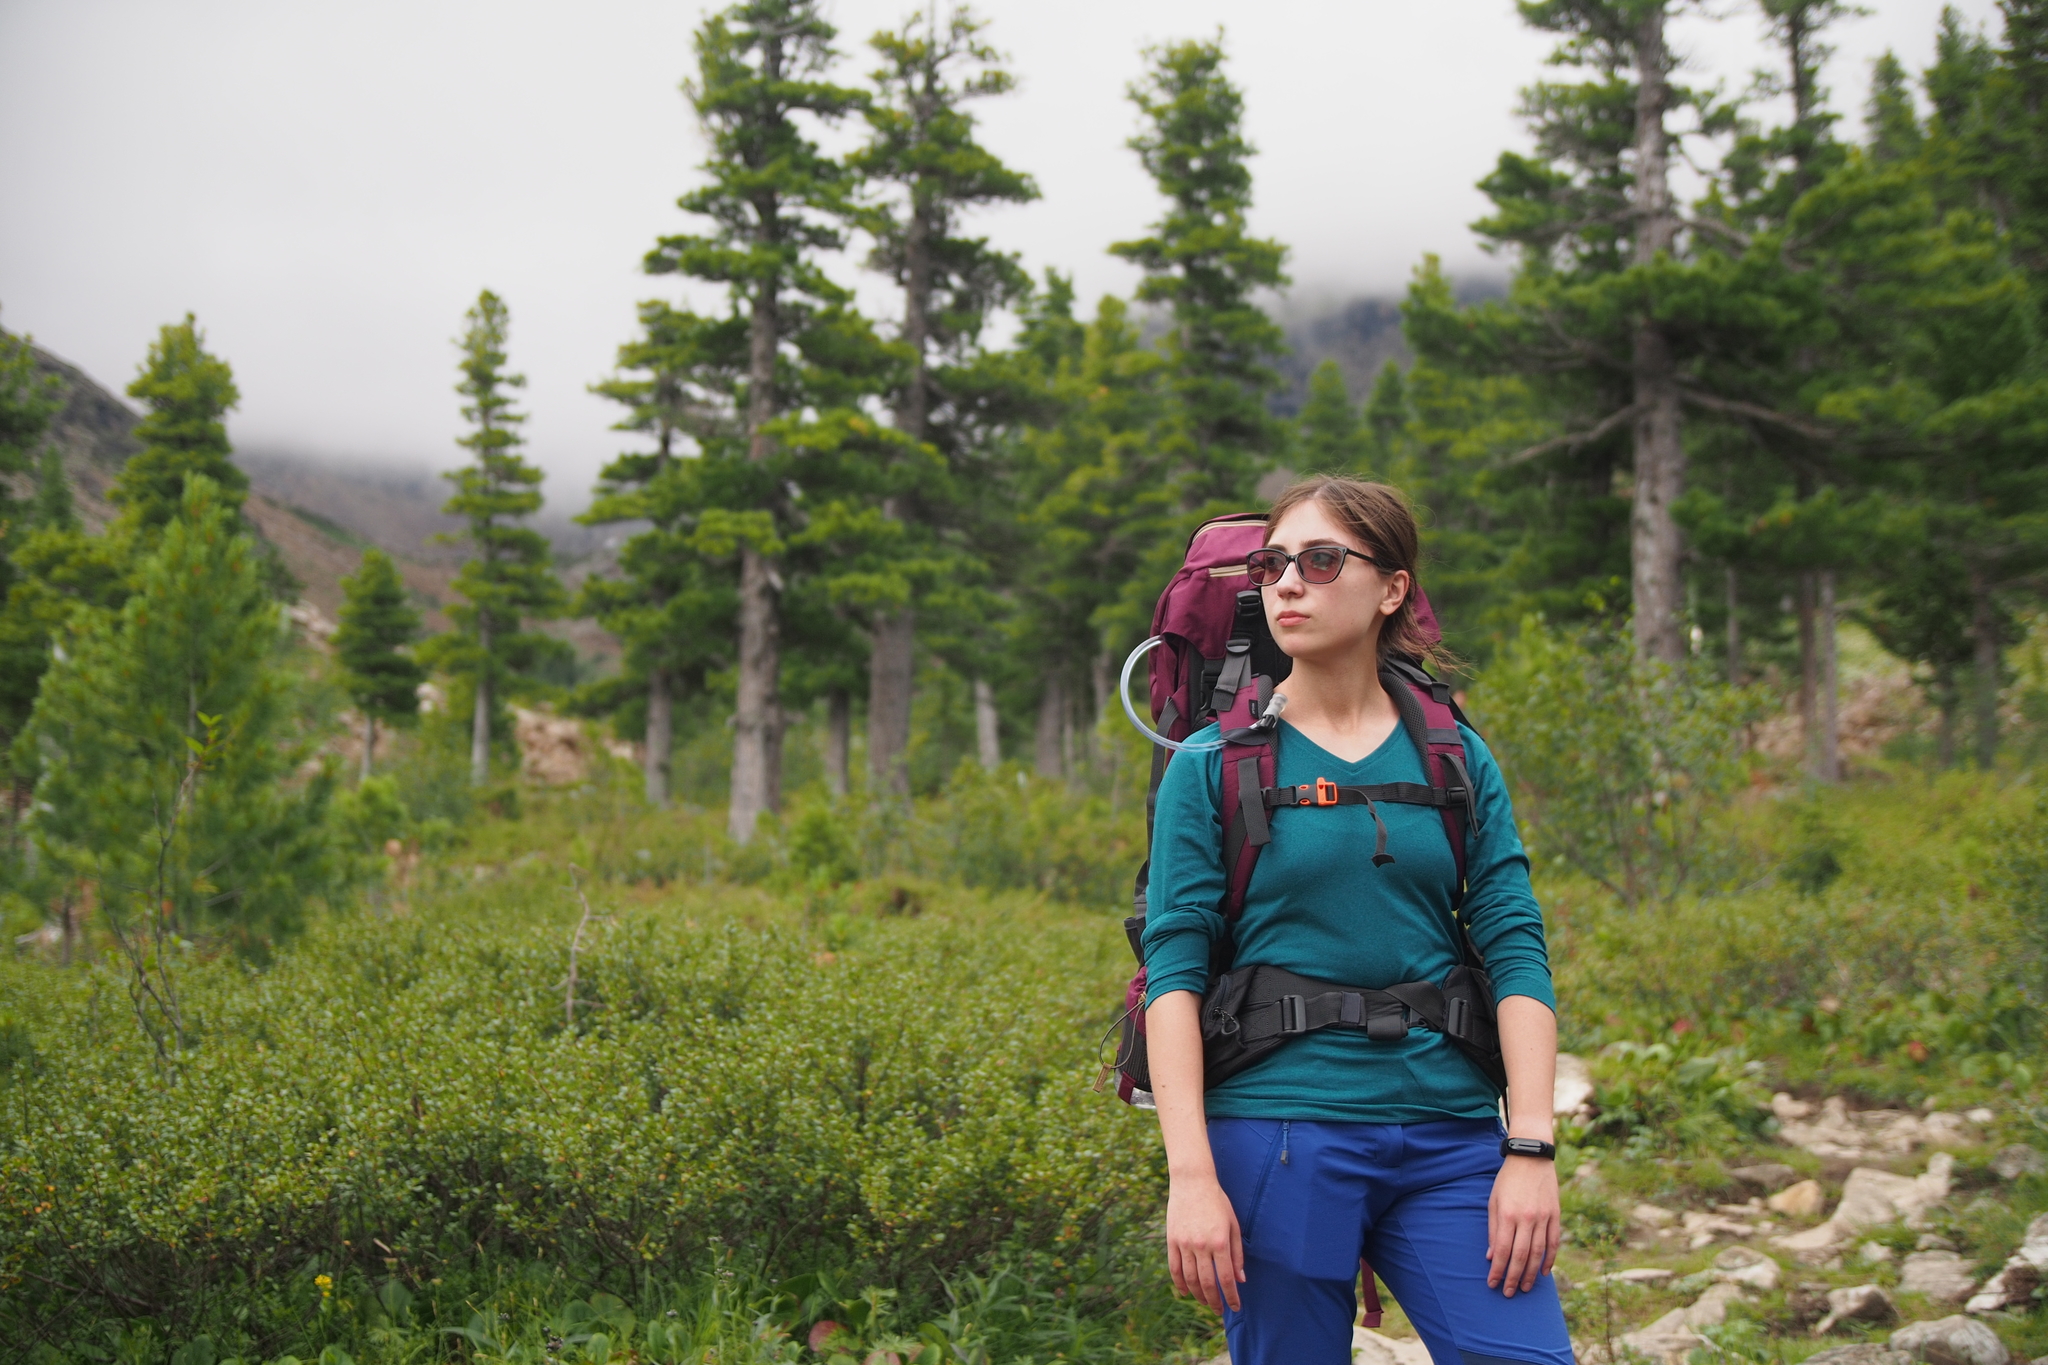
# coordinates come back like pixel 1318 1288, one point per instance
pixel 1124 691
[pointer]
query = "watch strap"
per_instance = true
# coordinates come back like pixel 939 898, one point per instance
pixel 1536 1147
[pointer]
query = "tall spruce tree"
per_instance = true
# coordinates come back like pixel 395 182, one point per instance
pixel 670 605
pixel 774 201
pixel 166 741
pixel 923 144
pixel 378 622
pixel 1594 221
pixel 509 578
pixel 189 393
pixel 1202 262
pixel 1329 434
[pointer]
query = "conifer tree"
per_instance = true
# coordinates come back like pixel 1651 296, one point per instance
pixel 774 200
pixel 509 578
pixel 28 400
pixel 1203 263
pixel 53 509
pixel 378 622
pixel 166 743
pixel 671 606
pixel 188 393
pixel 1329 435
pixel 923 142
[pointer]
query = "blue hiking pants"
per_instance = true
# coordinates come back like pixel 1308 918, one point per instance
pixel 1312 1198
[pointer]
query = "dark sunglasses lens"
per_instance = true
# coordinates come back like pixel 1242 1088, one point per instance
pixel 1266 566
pixel 1320 565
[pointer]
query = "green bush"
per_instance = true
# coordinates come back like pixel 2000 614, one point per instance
pixel 1618 767
pixel 404 1096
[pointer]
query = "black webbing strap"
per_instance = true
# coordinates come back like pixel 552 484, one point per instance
pixel 1400 793
pixel 1236 674
pixel 1251 803
pixel 1281 1004
pixel 1413 721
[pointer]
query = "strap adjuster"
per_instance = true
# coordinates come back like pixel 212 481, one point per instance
pixel 1293 1017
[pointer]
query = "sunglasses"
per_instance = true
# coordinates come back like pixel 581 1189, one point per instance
pixel 1316 564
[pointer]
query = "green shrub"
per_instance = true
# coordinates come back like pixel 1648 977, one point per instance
pixel 1617 766
pixel 404 1094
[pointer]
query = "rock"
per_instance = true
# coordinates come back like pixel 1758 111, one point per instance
pixel 2017 1160
pixel 1667 1341
pixel 1872 1198
pixel 1875 1253
pixel 2021 1275
pixel 1711 1308
pixel 1837 1133
pixel 1951 1341
pixel 1862 1353
pixel 1940 1275
pixel 1747 1266
pixel 1933 1241
pixel 1980 1117
pixel 1371 1348
pixel 1644 1274
pixel 553 750
pixel 1588 1175
pixel 1650 1216
pixel 1771 1175
pixel 1704 1229
pixel 1573 1090
pixel 1803 1200
pixel 1858 1303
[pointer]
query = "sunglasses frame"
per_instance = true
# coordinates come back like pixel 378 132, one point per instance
pixel 1345 554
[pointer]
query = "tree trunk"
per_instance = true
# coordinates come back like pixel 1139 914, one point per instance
pixel 891 662
pixel 1809 670
pixel 988 739
pixel 369 744
pixel 1655 547
pixel 1830 769
pixel 1986 662
pixel 838 740
pixel 756 785
pixel 1734 630
pixel 661 738
pixel 1946 701
pixel 480 723
pixel 892 659
pixel 1050 738
pixel 757 713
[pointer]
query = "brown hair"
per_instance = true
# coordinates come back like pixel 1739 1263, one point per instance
pixel 1379 516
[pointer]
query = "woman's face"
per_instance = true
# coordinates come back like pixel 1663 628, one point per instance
pixel 1328 620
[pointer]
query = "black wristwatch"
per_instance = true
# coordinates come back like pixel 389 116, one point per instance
pixel 1528 1147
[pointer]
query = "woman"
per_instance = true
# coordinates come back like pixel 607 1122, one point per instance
pixel 1339 1146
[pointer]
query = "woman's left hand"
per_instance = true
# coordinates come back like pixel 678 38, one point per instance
pixel 1523 1224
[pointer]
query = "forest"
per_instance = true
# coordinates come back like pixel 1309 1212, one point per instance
pixel 329 1035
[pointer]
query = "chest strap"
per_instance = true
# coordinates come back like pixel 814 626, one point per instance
pixel 1323 792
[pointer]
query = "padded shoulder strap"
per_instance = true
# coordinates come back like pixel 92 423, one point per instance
pixel 1428 715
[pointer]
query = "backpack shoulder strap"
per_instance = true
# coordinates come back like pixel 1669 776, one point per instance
pixel 1249 763
pixel 1431 718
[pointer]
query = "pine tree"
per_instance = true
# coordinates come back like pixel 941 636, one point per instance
pixel 922 141
pixel 378 621
pixel 774 200
pixel 53 506
pixel 28 400
pixel 509 579
pixel 189 393
pixel 168 754
pixel 1204 264
pixel 671 605
pixel 1329 437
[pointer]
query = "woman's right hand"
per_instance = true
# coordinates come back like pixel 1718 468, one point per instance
pixel 1203 1248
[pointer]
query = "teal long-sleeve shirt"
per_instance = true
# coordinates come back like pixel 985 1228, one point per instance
pixel 1318 906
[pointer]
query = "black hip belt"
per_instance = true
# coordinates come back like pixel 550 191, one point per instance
pixel 1251 1011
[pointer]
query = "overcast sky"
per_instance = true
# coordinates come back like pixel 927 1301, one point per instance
pixel 327 186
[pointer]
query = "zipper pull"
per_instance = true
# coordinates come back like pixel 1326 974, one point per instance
pixel 1285 1129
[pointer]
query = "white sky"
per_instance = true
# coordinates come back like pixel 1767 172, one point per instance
pixel 328 186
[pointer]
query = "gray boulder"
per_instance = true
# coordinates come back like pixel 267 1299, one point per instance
pixel 1952 1341
pixel 2017 1160
pixel 1940 1275
pixel 1862 1353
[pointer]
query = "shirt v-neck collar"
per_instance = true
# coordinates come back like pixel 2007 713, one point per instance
pixel 1392 735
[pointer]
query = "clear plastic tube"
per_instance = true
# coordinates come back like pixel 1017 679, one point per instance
pixel 1124 691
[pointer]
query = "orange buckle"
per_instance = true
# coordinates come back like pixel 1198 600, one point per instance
pixel 1326 792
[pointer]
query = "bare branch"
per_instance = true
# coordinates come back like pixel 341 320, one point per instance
pixel 569 1001
pixel 1573 440
pixel 1756 411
